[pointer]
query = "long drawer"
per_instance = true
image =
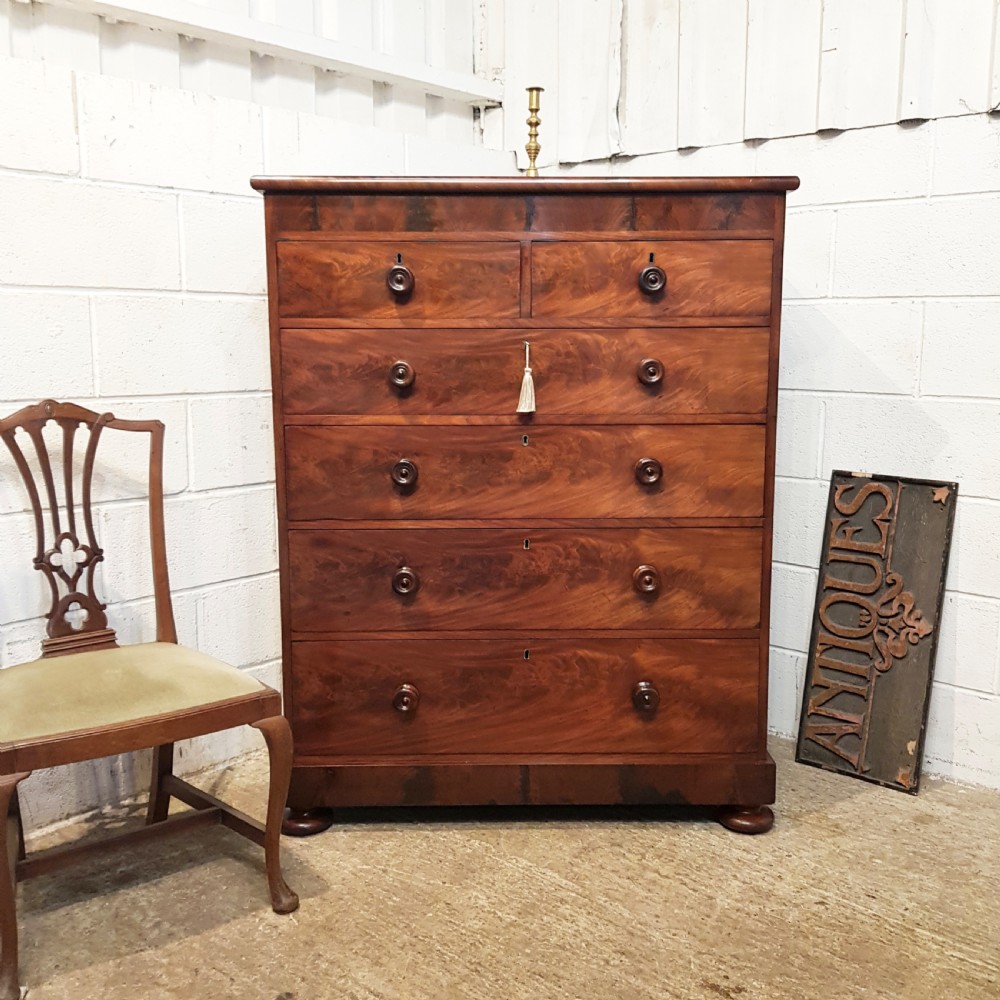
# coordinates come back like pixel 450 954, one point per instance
pixel 387 579
pixel 697 278
pixel 468 280
pixel 390 697
pixel 414 472
pixel 628 371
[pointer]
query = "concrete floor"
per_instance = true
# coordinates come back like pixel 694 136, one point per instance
pixel 857 892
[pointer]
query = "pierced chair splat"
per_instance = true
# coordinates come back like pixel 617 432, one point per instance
pixel 87 696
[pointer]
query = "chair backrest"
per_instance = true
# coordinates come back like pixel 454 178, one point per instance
pixel 66 549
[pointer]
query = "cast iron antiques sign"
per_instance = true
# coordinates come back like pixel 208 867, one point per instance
pixel 875 627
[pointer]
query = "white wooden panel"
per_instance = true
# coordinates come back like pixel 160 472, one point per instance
pixel 297 15
pixel 25 42
pixel 946 58
pixel 281 83
pixel 647 108
pixel 589 44
pixel 860 63
pixel 349 21
pixel 488 62
pixel 782 86
pixel 215 69
pixel 403 29
pixel 530 30
pixel 4 28
pixel 138 53
pixel 449 45
pixel 238 7
pixel 348 98
pixel 69 37
pixel 712 68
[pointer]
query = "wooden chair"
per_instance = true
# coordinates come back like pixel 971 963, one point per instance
pixel 88 697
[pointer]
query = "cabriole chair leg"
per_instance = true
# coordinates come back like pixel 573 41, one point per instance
pixel 278 736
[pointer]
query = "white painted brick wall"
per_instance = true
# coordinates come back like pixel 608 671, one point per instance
pixel 100 235
pixel 890 363
pixel 154 345
pixel 132 278
pixel 38 127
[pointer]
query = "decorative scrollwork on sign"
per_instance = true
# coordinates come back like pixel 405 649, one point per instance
pixel 900 624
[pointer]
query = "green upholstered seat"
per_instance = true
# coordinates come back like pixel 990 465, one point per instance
pixel 89 690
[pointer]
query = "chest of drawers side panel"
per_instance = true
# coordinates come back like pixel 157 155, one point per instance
pixel 281 210
pixel 769 460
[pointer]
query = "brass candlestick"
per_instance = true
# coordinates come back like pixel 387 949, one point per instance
pixel 533 148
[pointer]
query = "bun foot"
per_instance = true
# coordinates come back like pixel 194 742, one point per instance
pixel 306 822
pixel 746 819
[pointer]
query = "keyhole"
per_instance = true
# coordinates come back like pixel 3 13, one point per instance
pixel 399 258
pixel 527 654
pixel 527 544
pixel 524 440
pixel 651 257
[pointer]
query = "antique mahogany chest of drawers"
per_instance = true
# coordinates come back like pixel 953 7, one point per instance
pixel 562 606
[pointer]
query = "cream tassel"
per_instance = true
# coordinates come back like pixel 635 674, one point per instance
pixel 526 404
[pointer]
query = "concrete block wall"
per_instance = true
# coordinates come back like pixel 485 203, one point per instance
pixel 890 362
pixel 132 279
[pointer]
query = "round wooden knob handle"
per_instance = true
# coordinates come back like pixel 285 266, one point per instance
pixel 652 279
pixel 650 371
pixel 405 581
pixel 406 699
pixel 648 471
pixel 400 280
pixel 646 579
pixel 401 375
pixel 645 697
pixel 404 473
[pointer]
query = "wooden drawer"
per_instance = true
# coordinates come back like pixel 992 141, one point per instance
pixel 455 372
pixel 529 696
pixel 468 280
pixel 347 472
pixel 552 578
pixel 601 280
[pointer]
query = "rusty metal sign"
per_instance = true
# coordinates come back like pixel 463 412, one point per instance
pixel 875 626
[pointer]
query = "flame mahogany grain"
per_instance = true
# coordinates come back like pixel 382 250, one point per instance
pixel 709 278
pixel 349 279
pixel 569 696
pixel 484 472
pixel 473 578
pixel 576 372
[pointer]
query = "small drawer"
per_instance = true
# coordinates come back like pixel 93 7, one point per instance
pixel 398 280
pixel 414 472
pixel 651 279
pixel 637 372
pixel 415 579
pixel 524 696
